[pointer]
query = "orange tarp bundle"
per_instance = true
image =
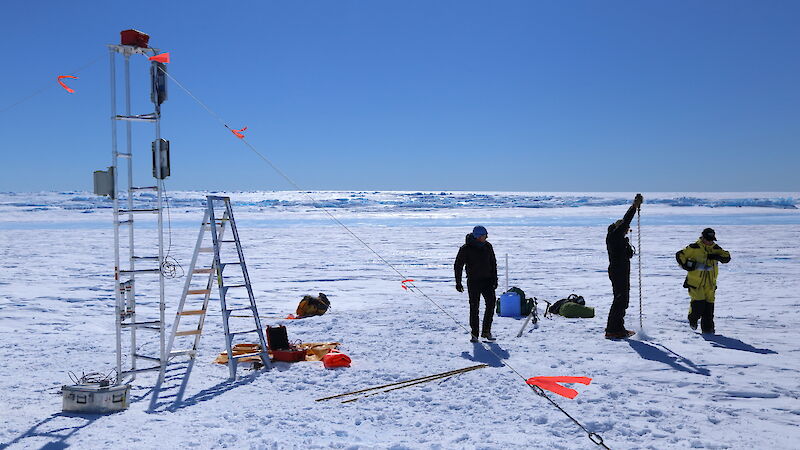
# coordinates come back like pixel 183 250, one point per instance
pixel 315 351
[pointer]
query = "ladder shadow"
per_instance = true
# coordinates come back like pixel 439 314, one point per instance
pixel 204 395
pixel 720 341
pixel 668 357
pixel 50 428
pixel 172 388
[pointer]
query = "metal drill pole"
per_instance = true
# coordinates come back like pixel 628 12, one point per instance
pixel 507 272
pixel 639 246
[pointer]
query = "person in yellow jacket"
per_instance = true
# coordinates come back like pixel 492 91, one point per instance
pixel 700 260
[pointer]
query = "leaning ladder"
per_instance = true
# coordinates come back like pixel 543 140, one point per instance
pixel 217 225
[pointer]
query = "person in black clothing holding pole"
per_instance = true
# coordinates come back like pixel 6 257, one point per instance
pixel 478 256
pixel 620 253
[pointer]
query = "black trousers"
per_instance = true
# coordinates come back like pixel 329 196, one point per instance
pixel 476 288
pixel 703 311
pixel 621 285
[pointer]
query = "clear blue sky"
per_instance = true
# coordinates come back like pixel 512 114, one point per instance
pixel 419 95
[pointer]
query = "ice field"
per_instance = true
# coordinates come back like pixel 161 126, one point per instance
pixel 671 388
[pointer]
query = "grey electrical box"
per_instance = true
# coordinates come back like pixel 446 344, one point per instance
pixel 160 148
pixel 95 398
pixel 158 83
pixel 104 182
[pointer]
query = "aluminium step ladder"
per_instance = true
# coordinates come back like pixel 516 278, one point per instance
pixel 220 267
pixel 195 299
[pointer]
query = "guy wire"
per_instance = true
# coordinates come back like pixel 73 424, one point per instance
pixel 594 437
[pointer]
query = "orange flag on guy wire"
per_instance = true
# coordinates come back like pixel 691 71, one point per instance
pixel 551 384
pixel 70 90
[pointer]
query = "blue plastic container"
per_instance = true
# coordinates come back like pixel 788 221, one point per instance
pixel 510 305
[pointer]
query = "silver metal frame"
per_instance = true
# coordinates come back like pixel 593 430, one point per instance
pixel 125 278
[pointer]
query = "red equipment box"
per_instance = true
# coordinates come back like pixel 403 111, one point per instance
pixel 135 38
pixel 289 355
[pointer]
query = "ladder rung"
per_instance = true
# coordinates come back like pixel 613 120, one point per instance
pixel 126 222
pixel 144 188
pixel 149 358
pixel 141 324
pixel 242 308
pixel 192 312
pixel 235 286
pixel 147 258
pixel 138 118
pixel 140 271
pixel 146 369
pixel 137 211
pixel 183 352
pixel 187 332
pixel 123 155
pixel 201 271
pixel 198 291
pixel 231 263
pixel 232 333
pixel 247 355
pixel 228 241
pixel 205 249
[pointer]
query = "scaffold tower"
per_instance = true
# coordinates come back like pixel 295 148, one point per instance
pixel 139 252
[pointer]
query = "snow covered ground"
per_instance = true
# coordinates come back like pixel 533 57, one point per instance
pixel 677 389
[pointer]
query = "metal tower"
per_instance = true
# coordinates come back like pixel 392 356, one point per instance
pixel 138 274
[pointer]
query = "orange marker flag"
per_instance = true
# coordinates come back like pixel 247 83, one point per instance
pixel 238 133
pixel 70 90
pixel 161 57
pixel 551 384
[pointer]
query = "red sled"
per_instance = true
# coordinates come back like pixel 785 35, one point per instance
pixel 135 38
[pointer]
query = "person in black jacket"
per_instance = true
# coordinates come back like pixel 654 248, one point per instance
pixel 478 255
pixel 620 253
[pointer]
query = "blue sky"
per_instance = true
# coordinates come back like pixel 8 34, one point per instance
pixel 418 95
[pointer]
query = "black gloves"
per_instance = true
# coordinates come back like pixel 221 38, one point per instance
pixel 459 287
pixel 494 284
pixel 638 200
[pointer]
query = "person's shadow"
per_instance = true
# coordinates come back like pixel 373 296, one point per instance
pixel 490 354
pixel 720 341
pixel 668 357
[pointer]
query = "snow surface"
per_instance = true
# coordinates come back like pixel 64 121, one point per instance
pixel 671 388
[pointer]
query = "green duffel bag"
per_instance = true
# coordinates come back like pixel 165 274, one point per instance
pixel 574 310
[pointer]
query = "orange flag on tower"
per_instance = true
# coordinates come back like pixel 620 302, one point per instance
pixel 162 58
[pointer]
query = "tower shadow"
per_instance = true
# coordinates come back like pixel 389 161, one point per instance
pixel 59 427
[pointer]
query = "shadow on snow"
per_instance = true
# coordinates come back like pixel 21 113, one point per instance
pixel 491 354
pixel 717 340
pixel 59 427
pixel 666 356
